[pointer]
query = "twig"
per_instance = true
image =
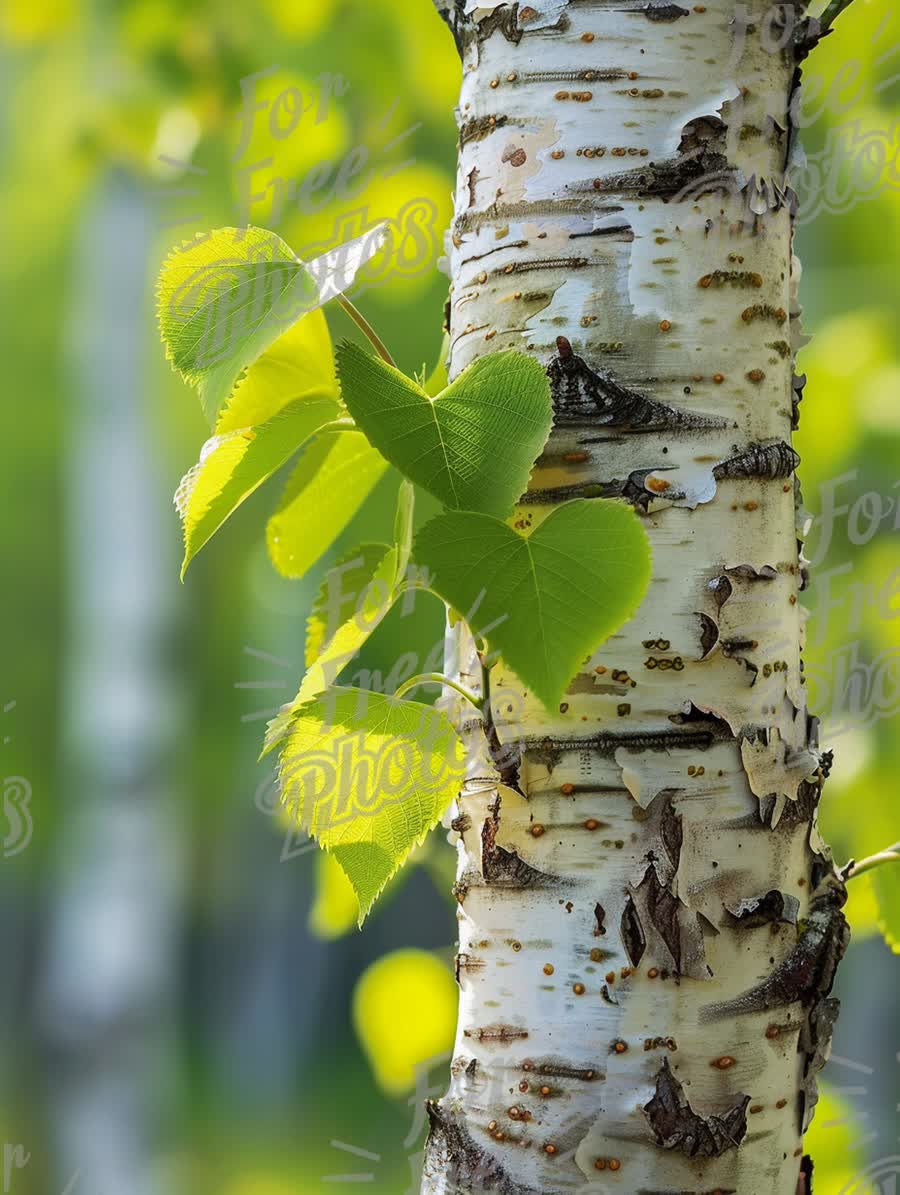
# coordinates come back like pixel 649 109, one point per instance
pixel 438 678
pixel 854 869
pixel 367 330
pixel 831 14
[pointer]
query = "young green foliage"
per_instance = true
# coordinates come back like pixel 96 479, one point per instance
pixel 300 364
pixel 233 465
pixel 224 298
pixel 563 587
pixel 340 593
pixel 368 776
pixel 474 444
pixel 331 481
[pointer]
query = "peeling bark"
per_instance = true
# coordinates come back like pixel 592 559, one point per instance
pixel 676 1125
pixel 655 894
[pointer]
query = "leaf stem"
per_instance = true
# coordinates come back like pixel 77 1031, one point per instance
pixel 368 331
pixel 853 869
pixel 438 678
pixel 831 14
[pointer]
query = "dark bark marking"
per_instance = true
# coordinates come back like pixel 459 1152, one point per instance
pixel 663 910
pixel 747 572
pixel 798 384
pixel 631 489
pixel 578 389
pixel 633 937
pixel 807 974
pixel 546 750
pixel 504 868
pixel 709 634
pixel 772 909
pixel 671 829
pixel 703 139
pixel 722 589
pixel 805 1181
pixel 504 19
pixel 664 12
pixel 453 1160
pixel 676 1125
pixel 814 1042
pixel 686 177
pixel 501 1033
pixel 600 920
pixel 466 30
pixel 480 127
pixel 560 1070
pixel 769 462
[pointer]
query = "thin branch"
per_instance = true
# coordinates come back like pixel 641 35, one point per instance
pixel 831 14
pixel 367 330
pixel 854 869
pixel 438 678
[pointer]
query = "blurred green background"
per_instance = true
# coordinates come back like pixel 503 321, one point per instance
pixel 186 1005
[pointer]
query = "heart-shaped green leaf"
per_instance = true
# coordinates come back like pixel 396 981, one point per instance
pixel 473 446
pixel 224 298
pixel 554 594
pixel 233 465
pixel 368 776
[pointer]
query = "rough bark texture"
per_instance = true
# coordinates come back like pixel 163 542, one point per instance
pixel 649 934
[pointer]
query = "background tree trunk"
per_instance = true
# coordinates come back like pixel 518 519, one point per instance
pixel 648 940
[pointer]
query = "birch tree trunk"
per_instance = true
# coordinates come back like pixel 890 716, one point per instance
pixel 649 939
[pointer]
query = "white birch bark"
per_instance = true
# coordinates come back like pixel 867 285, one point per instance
pixel 648 939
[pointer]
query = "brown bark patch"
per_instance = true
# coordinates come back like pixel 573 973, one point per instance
pixel 677 1126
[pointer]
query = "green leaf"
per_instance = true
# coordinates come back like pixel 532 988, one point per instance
pixel 225 297
pixel 339 594
pixel 372 608
pixel 369 776
pixel 331 481
pixel 885 883
pixel 299 364
pixel 374 598
pixel 473 445
pixel 551 595
pixel 233 465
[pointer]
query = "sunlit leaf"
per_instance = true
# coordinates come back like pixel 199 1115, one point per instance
pixel 339 594
pixel 404 1012
pixel 552 595
pixel 374 604
pixel 299 363
pixel 368 776
pixel 225 297
pixel 473 446
pixel 331 481
pixel 233 465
